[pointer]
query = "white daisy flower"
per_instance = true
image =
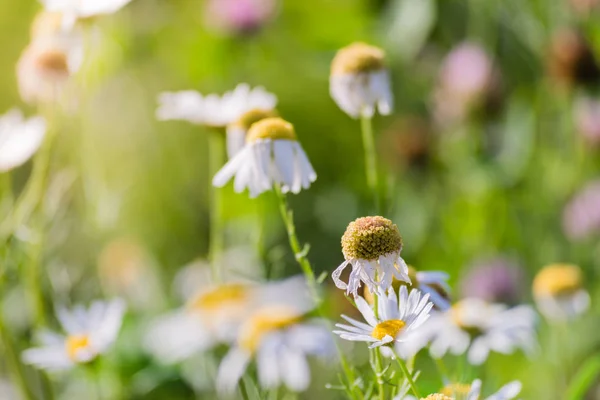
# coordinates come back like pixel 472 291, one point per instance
pixel 215 315
pixel 398 316
pixel 372 246
pixel 277 339
pixel 460 391
pixel 20 138
pixel 272 156
pixel 434 283
pixel 214 110
pixel 238 130
pixel 360 82
pixel 73 10
pixel 89 333
pixel 478 327
pixel 46 67
pixel 559 293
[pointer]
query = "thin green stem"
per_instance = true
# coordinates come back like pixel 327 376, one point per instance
pixel 243 390
pixel 407 374
pixel 216 155
pixel 14 363
pixel 441 367
pixel 366 124
pixel 379 374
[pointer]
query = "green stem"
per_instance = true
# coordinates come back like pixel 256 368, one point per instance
pixel 441 367
pixel 216 155
pixel 407 374
pixel 366 124
pixel 14 363
pixel 243 390
pixel 379 374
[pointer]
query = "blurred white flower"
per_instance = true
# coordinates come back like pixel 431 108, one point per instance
pixel 272 156
pixel 372 246
pixel 89 333
pixel 587 118
pixel 73 10
pixel 398 315
pixel 476 326
pixel 559 293
pixel 45 69
pixel 215 315
pixel 460 391
pixel 359 81
pixel 238 130
pixel 581 216
pixel 213 110
pixel 20 138
pixel 280 341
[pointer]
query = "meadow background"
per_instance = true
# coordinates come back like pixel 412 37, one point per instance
pixel 128 195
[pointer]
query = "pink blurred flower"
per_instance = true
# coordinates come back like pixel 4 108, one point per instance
pixel 581 216
pixel 239 16
pixel 587 118
pixel 584 6
pixel 496 280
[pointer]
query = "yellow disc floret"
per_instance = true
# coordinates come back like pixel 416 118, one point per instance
pixel 358 58
pixel 221 296
pixel 368 238
pixel 271 128
pixel 391 327
pixel 437 396
pixel 264 321
pixel 52 61
pixel 458 391
pixel 557 280
pixel 249 118
pixel 75 343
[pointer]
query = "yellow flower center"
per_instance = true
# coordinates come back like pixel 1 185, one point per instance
pixel 457 391
pixel 249 118
pixel 53 61
pixel 221 296
pixel 75 343
pixel 271 128
pixel 557 279
pixel 461 319
pixel 357 58
pixel 265 321
pixel 390 327
pixel 437 396
pixel 368 238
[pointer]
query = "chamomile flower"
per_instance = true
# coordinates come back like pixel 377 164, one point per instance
pixel 46 68
pixel 434 283
pixel 237 131
pixel 478 327
pixel 20 138
pixel 214 110
pixel 214 316
pixel 279 340
pixel 372 246
pixel 398 316
pixel 559 293
pixel 461 391
pixel 359 81
pixel 271 156
pixel 89 334
pixel 73 10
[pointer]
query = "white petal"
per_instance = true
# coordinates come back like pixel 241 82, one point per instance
pixel 19 139
pixel 232 368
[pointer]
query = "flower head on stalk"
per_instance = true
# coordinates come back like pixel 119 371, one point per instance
pixel 478 327
pixel 372 246
pixel 89 334
pixel 434 283
pixel 20 138
pixel 238 130
pixel 279 338
pixel 559 293
pixel 360 82
pixel 462 391
pixel 73 10
pixel 271 156
pixel 398 316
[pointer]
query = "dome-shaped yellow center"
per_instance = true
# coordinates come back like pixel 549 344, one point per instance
pixel 457 391
pixel 75 343
pixel 368 238
pixel 391 327
pixel 358 58
pixel 557 279
pixel 271 128
pixel 249 118
pixel 219 297
pixel 265 321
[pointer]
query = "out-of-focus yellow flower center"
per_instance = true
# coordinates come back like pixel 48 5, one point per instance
pixel 76 343
pixel 457 391
pixel 390 327
pixel 249 118
pixel 457 313
pixel 265 321
pixel 557 279
pixel 271 128
pixel 357 58
pixel 53 61
pixel 437 396
pixel 412 274
pixel 221 296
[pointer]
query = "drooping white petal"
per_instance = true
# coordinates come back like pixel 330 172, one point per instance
pixel 19 139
